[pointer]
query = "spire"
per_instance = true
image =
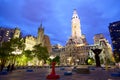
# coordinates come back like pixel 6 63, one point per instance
pixel 41 24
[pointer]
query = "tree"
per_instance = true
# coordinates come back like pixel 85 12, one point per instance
pixel 55 59
pixel 18 45
pixel 5 50
pixel 28 54
pixel 41 52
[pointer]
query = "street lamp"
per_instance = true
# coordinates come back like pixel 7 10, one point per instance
pixel 77 61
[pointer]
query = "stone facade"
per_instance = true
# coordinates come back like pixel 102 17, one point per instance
pixel 102 42
pixel 30 41
pixel 41 38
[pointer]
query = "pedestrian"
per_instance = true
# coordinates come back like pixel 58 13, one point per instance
pixel 8 68
pixel 12 67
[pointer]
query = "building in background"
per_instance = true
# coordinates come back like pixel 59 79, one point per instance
pixel 6 34
pixel 114 29
pixel 41 38
pixel 47 43
pixel 40 35
pixel 102 42
pixel 97 38
pixel 30 41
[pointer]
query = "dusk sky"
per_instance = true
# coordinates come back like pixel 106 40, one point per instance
pixel 55 15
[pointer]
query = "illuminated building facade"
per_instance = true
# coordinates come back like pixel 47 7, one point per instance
pixel 77 37
pixel 102 42
pixel 30 41
pixel 76 50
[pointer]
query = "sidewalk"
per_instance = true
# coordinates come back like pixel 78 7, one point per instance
pixel 41 73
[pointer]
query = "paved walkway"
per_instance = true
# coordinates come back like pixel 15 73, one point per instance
pixel 41 73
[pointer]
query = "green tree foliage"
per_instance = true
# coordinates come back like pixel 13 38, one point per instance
pixel 49 61
pixel 28 54
pixel 5 50
pixel 18 45
pixel 41 52
pixel 55 59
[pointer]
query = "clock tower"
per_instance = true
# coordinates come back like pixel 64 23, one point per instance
pixel 76 27
pixel 77 38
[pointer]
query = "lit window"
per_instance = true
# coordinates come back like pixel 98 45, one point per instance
pixel 113 42
pixel 6 34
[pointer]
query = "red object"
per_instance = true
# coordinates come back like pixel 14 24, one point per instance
pixel 53 75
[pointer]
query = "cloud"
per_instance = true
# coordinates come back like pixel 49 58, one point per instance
pixel 36 10
pixel 95 16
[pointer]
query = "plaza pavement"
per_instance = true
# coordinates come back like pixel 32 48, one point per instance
pixel 41 73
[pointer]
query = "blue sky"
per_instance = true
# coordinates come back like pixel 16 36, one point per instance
pixel 55 15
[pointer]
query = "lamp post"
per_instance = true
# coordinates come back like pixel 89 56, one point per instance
pixel 77 61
